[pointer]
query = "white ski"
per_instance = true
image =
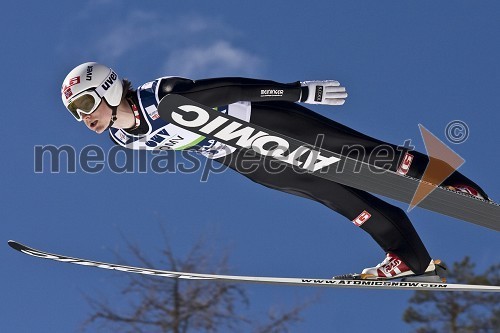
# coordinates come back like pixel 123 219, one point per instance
pixel 367 284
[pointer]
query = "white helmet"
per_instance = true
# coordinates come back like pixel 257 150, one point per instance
pixel 85 86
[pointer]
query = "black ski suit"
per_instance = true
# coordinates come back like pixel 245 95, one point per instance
pixel 388 225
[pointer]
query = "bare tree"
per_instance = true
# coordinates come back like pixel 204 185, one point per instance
pixel 432 311
pixel 171 305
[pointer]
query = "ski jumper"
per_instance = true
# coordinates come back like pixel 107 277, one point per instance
pixel 272 105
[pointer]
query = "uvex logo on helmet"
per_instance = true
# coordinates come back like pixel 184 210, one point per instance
pixel 89 73
pixel 109 81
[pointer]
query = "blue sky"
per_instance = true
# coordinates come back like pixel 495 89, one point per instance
pixel 403 64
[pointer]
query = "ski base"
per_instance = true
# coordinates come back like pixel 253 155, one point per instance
pixel 341 283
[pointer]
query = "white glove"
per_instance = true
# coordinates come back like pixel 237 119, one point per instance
pixel 328 92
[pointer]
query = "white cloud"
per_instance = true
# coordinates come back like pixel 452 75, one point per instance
pixel 188 45
pixel 217 59
pixel 137 30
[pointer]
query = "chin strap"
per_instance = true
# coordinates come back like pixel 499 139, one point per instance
pixel 114 110
pixel 113 117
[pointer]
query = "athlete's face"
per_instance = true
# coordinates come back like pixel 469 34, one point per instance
pixel 98 120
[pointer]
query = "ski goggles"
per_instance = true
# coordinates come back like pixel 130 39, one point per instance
pixel 86 102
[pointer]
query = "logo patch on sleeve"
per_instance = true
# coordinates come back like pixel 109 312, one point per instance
pixel 404 167
pixel 152 112
pixel 362 218
pixel 121 136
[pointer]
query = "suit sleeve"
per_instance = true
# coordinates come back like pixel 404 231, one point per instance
pixel 223 91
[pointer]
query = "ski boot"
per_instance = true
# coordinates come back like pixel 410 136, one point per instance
pixel 394 268
pixel 465 189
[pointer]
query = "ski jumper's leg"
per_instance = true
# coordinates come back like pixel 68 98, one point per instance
pixel 303 124
pixel 388 225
